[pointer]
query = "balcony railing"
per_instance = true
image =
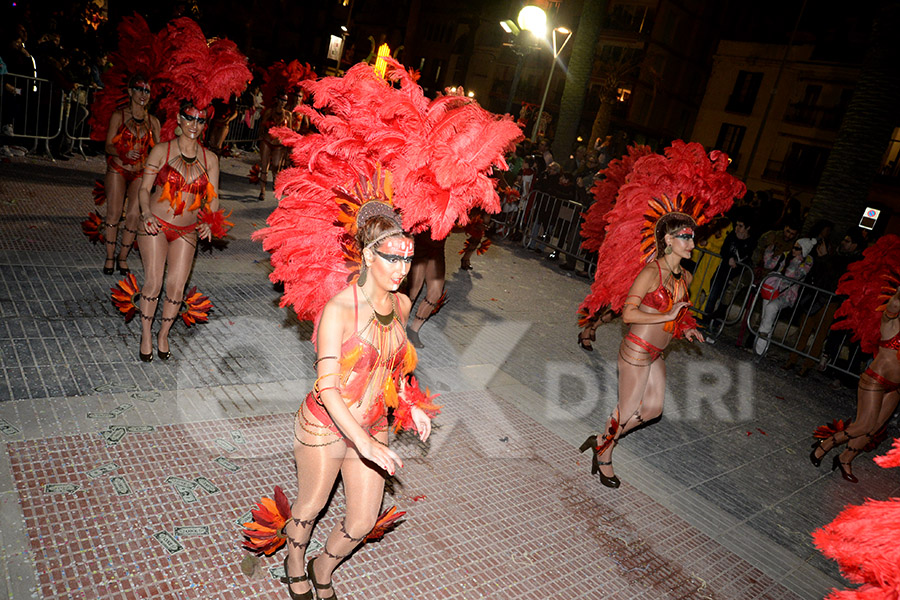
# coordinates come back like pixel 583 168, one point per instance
pixel 819 117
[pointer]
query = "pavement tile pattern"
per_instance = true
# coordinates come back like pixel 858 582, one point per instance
pixel 484 520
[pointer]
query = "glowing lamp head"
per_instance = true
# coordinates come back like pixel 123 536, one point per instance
pixel 533 19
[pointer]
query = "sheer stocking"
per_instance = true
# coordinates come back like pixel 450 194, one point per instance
pixel 642 391
pixel 317 470
pixel 873 409
pixel 115 199
pixel 175 259
pixel 432 272
pixel 132 220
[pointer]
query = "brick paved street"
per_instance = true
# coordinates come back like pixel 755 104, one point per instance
pixel 718 499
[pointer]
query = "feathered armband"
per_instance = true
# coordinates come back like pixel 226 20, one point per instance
pixel 683 322
pixel 413 396
pixel 217 221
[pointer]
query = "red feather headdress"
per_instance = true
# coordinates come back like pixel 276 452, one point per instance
pixel 286 78
pixel 430 158
pixel 192 69
pixel 868 285
pixel 683 180
pixel 138 52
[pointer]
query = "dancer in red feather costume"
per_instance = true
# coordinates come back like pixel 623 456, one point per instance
pixel 871 311
pixel 378 148
pixel 130 132
pixel 179 191
pixel 650 231
pixel 593 229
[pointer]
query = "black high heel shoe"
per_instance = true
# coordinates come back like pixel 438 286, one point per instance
pixel 585 342
pixel 845 474
pixel 164 355
pixel 287 579
pixel 817 460
pixel 610 482
pixel 123 270
pixel 145 357
pixel 109 270
pixel 319 586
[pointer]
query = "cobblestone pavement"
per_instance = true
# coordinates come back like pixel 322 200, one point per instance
pixel 718 498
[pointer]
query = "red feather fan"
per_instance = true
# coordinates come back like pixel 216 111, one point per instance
pixel 865 542
pixel 686 180
pixel 195 307
pixel 218 221
pixel 99 192
pixel 138 52
pixel 868 285
pixel 125 296
pixel 91 227
pixel 438 153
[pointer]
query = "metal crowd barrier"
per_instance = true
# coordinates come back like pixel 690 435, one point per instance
pixel 803 328
pixel 239 132
pixel 76 110
pixel 549 222
pixel 31 109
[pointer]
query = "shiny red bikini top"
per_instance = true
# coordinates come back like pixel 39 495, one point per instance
pixel 126 139
pixel 169 174
pixel 892 343
pixel 660 298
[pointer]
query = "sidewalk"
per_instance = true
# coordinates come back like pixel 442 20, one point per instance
pixel 718 498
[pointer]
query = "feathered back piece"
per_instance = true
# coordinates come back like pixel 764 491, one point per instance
pixel 683 180
pixel 865 542
pixel 282 78
pixel 868 285
pixel 137 53
pixel 429 158
pixel 192 69
pixel 593 230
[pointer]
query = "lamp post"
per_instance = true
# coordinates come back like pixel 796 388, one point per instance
pixel 556 54
pixel 532 21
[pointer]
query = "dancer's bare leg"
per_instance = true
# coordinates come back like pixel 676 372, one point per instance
pixel 364 489
pixel 265 158
pixel 115 199
pixel 179 261
pixel 435 271
pixel 317 470
pixel 132 220
pixel 635 369
pixel 153 257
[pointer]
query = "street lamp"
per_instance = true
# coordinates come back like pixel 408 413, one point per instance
pixel 556 52
pixel 532 20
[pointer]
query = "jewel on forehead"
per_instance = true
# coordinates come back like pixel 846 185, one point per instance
pixel 686 231
pixel 194 112
pixel 400 245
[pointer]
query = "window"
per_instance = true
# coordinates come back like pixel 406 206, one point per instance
pixel 730 138
pixel 743 96
pixel 804 164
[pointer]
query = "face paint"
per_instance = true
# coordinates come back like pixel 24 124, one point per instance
pixel 395 255
pixel 396 249
pixel 685 234
pixel 193 121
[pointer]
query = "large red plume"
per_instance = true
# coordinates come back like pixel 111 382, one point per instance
pixel 868 284
pixel 192 69
pixel 685 180
pixel 593 230
pixel 285 78
pixel 437 155
pixel 865 542
pixel 138 52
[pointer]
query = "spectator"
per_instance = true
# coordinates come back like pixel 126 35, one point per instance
pixel 737 247
pixel 826 272
pixel 575 161
pixel 782 241
pixel 778 293
pixel 710 238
